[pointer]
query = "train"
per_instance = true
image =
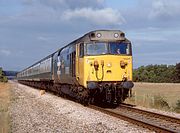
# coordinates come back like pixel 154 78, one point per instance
pixel 95 68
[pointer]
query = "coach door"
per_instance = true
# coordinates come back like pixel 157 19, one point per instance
pixel 55 67
pixel 80 62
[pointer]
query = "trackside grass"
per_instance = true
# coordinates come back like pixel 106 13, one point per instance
pixel 4 104
pixel 164 96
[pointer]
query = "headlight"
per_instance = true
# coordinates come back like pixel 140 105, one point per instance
pixel 98 35
pixel 123 64
pixel 109 65
pixel 116 35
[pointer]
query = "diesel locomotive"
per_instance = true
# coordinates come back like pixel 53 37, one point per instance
pixel 96 67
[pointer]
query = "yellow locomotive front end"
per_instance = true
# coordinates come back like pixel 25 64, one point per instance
pixel 108 68
pixel 104 66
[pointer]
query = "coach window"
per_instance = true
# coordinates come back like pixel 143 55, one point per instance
pixel 81 50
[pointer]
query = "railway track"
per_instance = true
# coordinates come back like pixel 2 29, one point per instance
pixel 153 121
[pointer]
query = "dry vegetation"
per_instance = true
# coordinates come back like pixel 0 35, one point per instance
pixel 4 104
pixel 165 96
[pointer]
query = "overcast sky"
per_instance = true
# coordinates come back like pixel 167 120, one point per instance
pixel 32 29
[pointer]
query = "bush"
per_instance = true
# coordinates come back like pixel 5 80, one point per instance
pixel 2 77
pixel 5 79
pixel 160 102
pixel 177 107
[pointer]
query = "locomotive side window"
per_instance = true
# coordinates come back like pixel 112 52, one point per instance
pixel 81 50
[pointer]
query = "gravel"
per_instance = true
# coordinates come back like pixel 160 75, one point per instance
pixel 31 112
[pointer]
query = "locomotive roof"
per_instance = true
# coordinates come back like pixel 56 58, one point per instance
pixel 95 31
pixel 87 36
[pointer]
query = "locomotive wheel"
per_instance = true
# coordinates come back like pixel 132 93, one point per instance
pixel 83 95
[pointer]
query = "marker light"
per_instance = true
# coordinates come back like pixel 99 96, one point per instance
pixel 109 65
pixel 98 35
pixel 116 35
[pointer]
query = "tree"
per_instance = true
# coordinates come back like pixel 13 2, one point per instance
pixel 178 72
pixel 157 73
pixel 2 77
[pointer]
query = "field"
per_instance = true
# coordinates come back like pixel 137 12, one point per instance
pixel 4 103
pixel 163 96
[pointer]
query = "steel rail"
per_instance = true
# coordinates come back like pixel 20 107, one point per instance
pixel 135 120
pixel 155 114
